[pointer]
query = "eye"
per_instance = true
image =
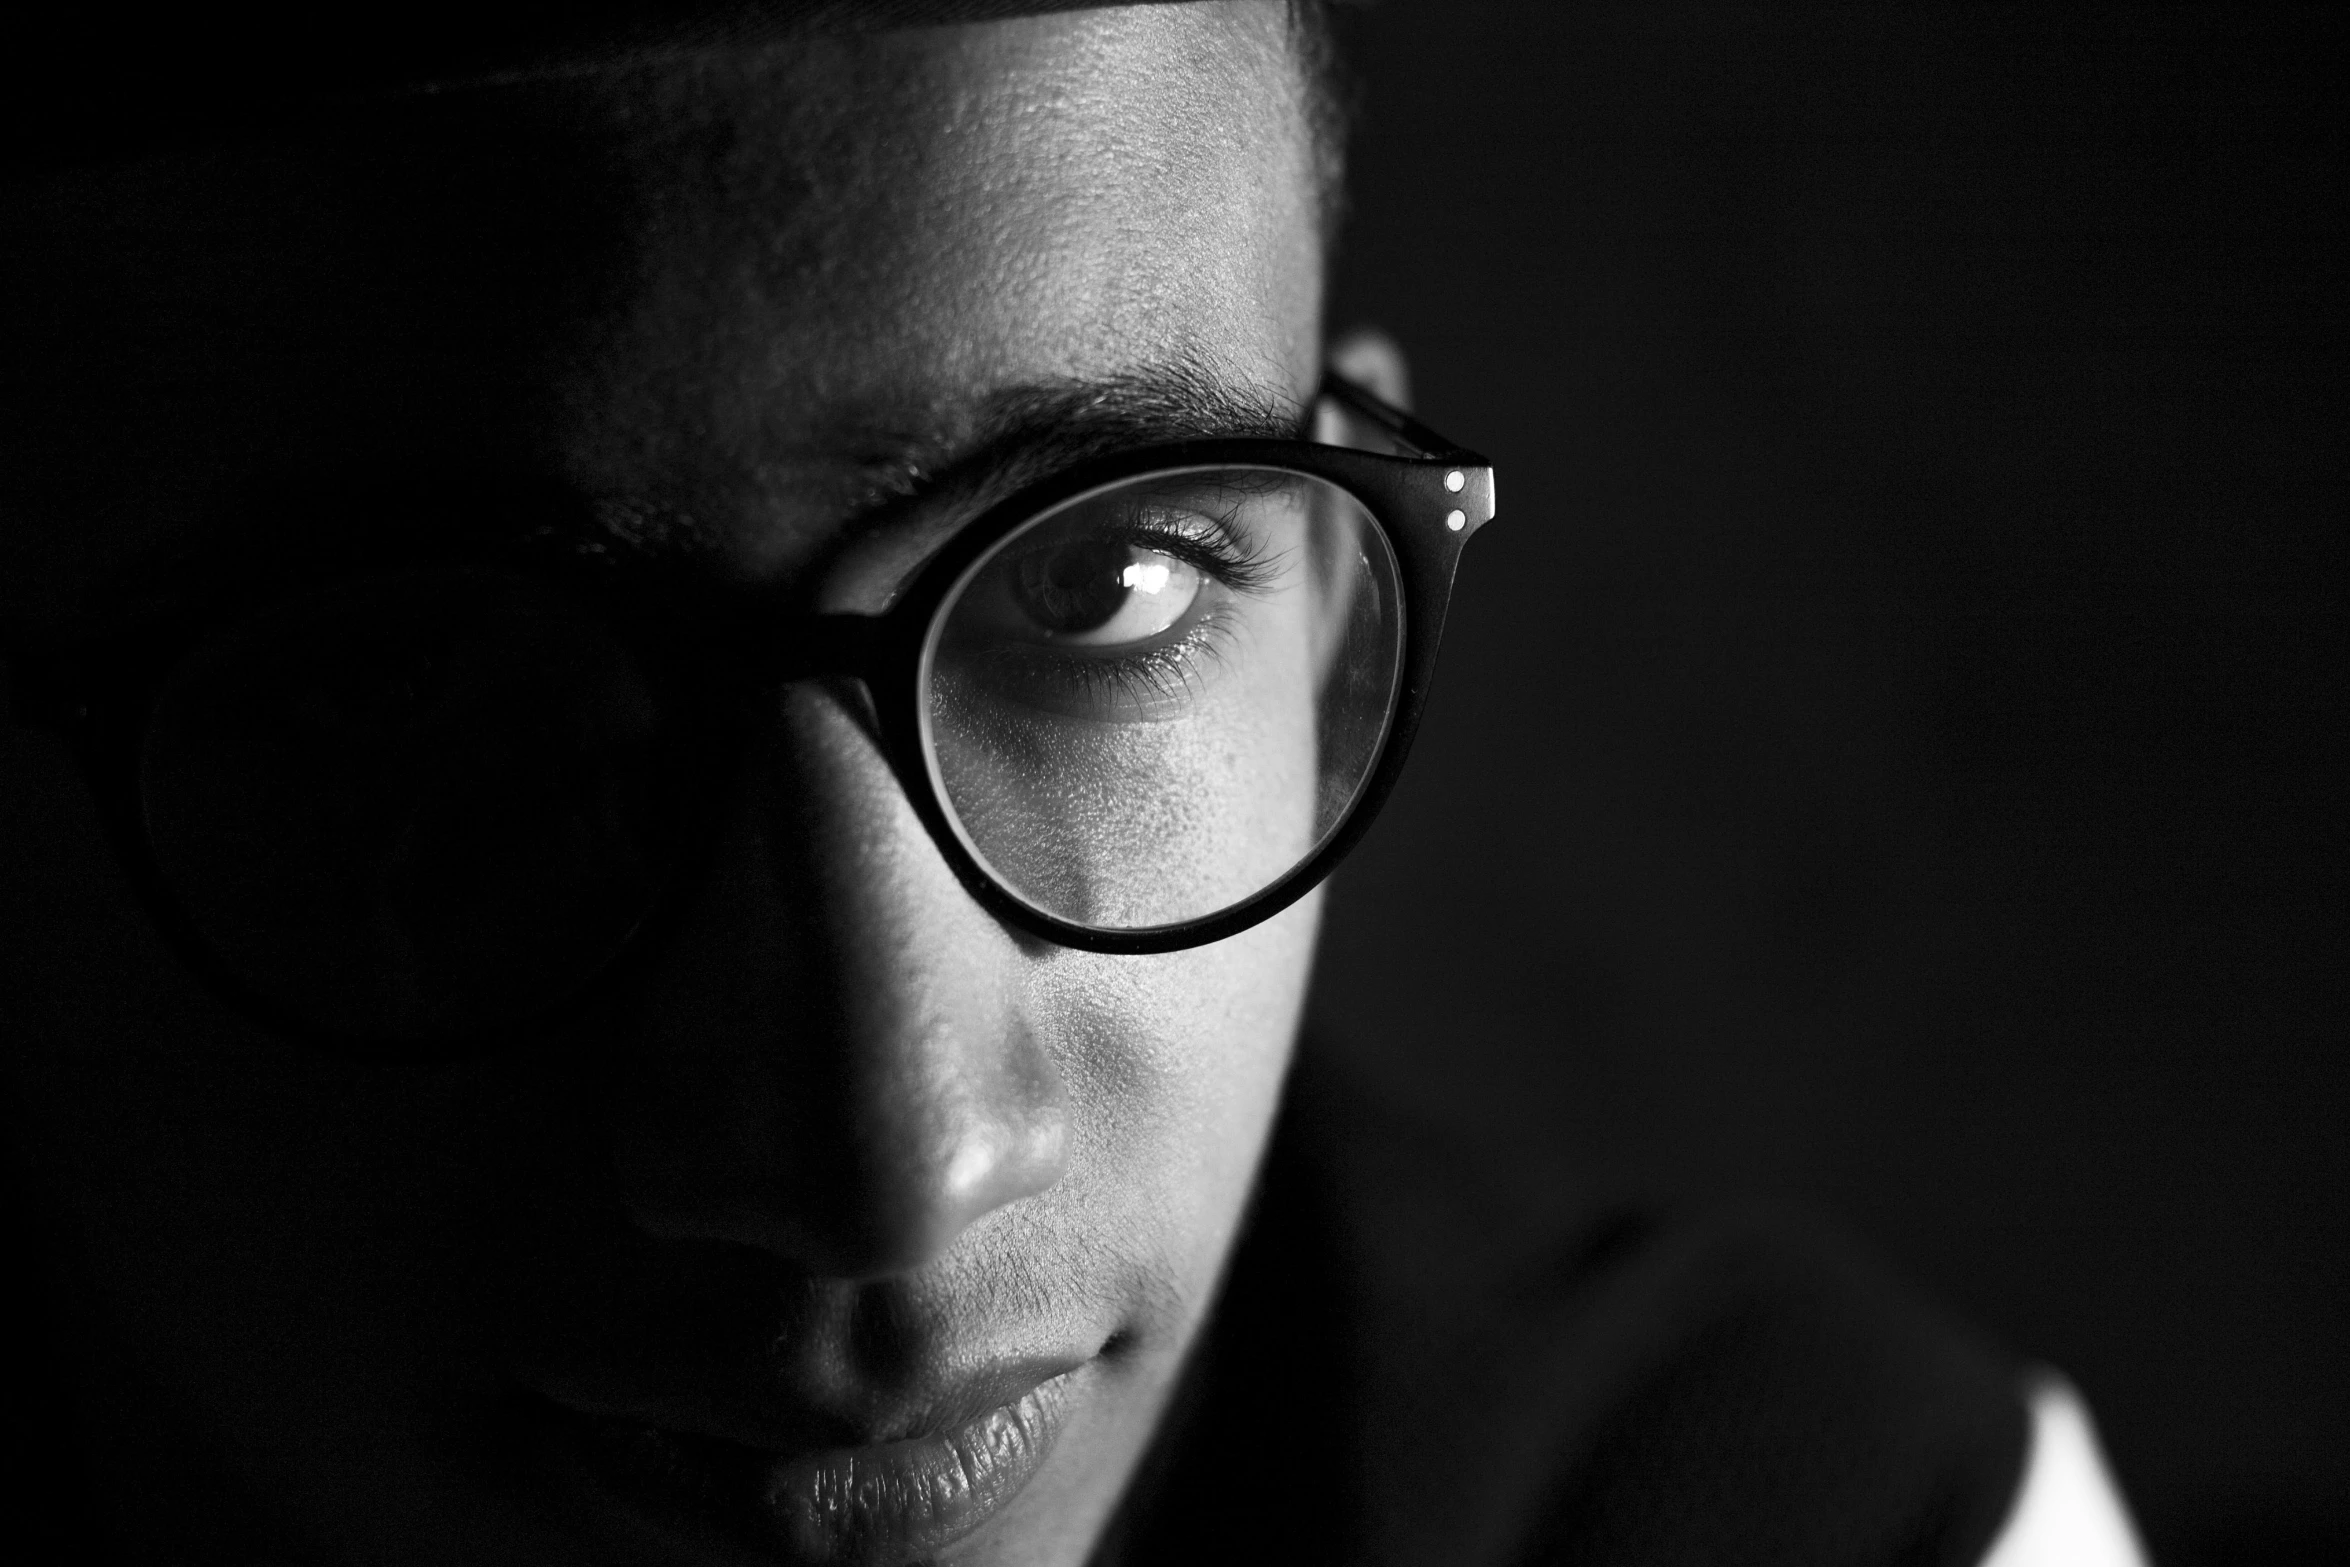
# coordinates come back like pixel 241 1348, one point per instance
pixel 375 691
pixel 1097 592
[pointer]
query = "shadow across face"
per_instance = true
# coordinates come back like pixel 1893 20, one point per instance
pixel 851 1175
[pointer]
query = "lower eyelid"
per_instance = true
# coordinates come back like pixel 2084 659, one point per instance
pixel 1117 684
pixel 1178 657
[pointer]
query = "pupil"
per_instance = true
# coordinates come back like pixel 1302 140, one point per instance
pixel 1073 588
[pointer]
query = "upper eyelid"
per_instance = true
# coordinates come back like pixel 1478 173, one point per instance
pixel 1226 555
pixel 1236 562
pixel 942 503
pixel 1232 564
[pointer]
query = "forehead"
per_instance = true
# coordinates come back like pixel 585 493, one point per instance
pixel 747 293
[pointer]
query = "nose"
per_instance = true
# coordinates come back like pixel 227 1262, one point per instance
pixel 834 1061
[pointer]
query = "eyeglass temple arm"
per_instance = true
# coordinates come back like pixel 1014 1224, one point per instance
pixel 1417 439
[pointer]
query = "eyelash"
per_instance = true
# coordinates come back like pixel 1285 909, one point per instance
pixel 1156 673
pixel 1222 556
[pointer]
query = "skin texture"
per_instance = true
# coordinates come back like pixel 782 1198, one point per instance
pixel 850 1142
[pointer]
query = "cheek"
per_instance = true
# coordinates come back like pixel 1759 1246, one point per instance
pixel 264 1232
pixel 1174 1066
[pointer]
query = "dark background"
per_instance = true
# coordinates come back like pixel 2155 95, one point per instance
pixel 1889 750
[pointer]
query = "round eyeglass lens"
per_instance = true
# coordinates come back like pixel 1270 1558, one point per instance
pixel 414 808
pixel 1156 701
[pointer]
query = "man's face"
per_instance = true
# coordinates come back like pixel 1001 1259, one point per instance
pixel 856 1189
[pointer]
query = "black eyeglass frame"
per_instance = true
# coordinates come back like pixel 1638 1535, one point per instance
pixel 99 693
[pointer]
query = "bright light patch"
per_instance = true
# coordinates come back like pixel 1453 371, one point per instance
pixel 1144 576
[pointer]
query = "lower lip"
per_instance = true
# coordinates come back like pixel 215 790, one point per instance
pixel 900 1499
pixel 890 1502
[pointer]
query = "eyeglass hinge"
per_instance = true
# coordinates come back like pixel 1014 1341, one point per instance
pixel 1472 488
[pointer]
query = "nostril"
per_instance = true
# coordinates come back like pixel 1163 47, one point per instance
pixel 987 1172
pixel 1006 1162
pixel 989 1145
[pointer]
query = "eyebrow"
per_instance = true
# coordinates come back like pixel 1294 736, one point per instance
pixel 922 470
pixel 1038 426
pixel 927 470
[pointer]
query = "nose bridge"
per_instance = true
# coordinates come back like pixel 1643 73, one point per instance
pixel 842 1068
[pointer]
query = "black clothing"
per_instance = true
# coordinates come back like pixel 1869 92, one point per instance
pixel 1409 1367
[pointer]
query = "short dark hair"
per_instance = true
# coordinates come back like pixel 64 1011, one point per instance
pixel 76 90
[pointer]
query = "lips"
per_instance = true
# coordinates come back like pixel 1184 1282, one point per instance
pixel 911 1497
pixel 864 1503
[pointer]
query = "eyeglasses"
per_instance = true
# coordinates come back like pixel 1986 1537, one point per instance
pixel 406 804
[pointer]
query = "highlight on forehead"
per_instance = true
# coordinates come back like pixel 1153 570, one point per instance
pixel 676 100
